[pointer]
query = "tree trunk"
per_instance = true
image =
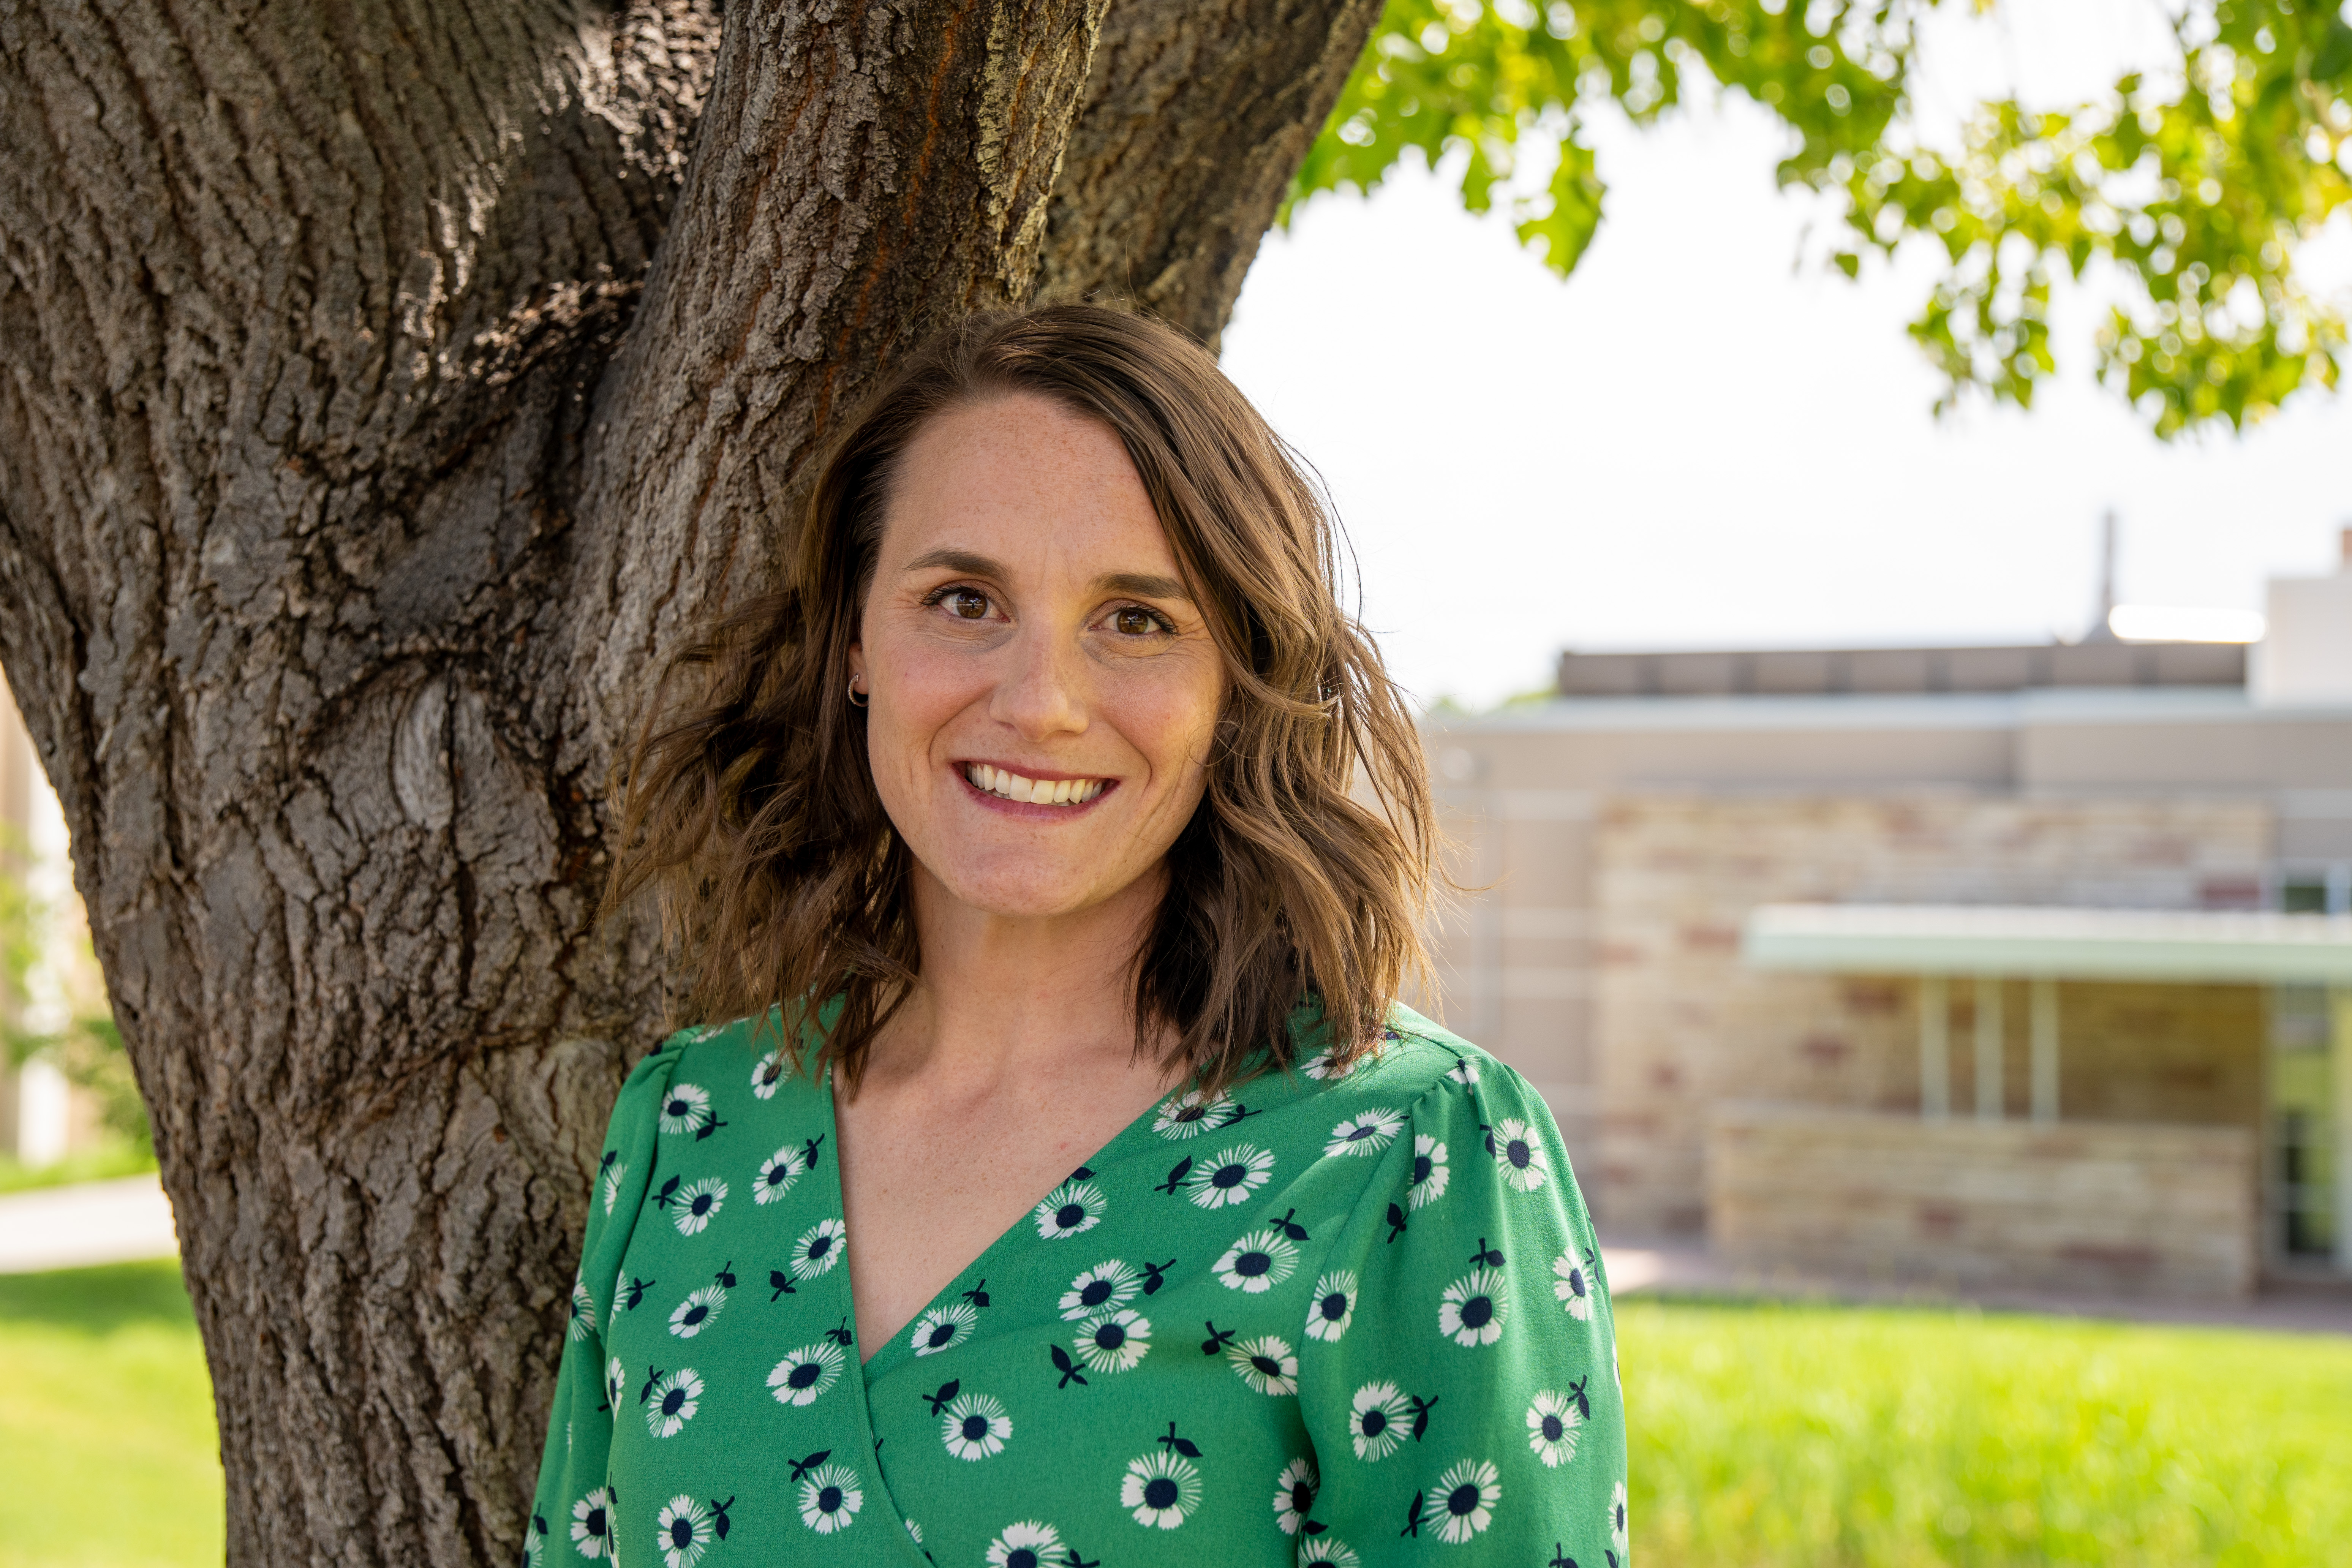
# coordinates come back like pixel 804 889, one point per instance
pixel 386 385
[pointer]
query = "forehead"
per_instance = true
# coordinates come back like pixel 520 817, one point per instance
pixel 1020 477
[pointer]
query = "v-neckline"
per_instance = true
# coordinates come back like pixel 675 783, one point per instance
pixel 883 1361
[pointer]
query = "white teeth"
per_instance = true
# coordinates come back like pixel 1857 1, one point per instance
pixel 1037 792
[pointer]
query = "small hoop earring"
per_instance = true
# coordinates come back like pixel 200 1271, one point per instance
pixel 857 698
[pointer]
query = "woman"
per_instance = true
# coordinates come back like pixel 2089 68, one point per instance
pixel 1108 1210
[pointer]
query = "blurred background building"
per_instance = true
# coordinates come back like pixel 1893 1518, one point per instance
pixel 2023 965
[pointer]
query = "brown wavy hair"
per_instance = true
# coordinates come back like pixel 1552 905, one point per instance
pixel 1303 876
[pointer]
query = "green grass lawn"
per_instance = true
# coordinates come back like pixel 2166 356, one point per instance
pixel 1764 1437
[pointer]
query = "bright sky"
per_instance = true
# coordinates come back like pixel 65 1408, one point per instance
pixel 1695 442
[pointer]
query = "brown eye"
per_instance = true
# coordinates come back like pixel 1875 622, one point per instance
pixel 969 603
pixel 1134 623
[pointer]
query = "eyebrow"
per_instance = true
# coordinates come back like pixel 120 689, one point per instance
pixel 1141 585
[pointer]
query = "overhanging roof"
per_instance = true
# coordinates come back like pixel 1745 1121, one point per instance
pixel 2060 943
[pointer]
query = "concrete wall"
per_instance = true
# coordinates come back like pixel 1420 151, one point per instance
pixel 1683 1025
pixel 1962 1204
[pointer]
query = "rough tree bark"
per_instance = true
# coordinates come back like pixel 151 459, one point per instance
pixel 387 382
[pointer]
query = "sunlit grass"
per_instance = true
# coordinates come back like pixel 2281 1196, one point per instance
pixel 1823 1436
pixel 115 1157
pixel 1764 1437
pixel 107 1458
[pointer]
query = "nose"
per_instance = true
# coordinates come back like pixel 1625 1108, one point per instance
pixel 1039 692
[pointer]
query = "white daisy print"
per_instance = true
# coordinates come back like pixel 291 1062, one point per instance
pixel 1104 1287
pixel 1464 1071
pixel 830 1498
pixel 1294 1494
pixel 683 1530
pixel 584 1310
pixel 697 1311
pixel 671 1401
pixel 1520 1153
pixel 1552 1421
pixel 1334 1307
pixel 1258 1262
pixel 1189 1114
pixel 1468 1494
pixel 1617 1521
pixel 819 1248
pixel 1266 1364
pixel 1429 1172
pixel 616 1381
pixel 534 1542
pixel 613 1177
pixel 592 1523
pixel 944 1328
pixel 1070 1209
pixel 808 1372
pixel 1114 1341
pixel 974 1425
pixel 1028 1544
pixel 697 1203
pixel 1366 1132
pixel 1328 1552
pixel 1471 1311
pixel 1233 1177
pixel 767 1073
pixel 916 1530
pixel 1573 1288
pixel 1321 1068
pixel 1378 1418
pixel 685 1108
pixel 1161 1489
pixel 778 1172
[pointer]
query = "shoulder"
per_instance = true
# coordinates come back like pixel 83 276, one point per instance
pixel 699 1074
pixel 1414 1061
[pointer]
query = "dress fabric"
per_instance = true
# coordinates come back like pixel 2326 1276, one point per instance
pixel 1354 1319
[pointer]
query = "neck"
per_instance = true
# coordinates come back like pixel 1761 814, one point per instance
pixel 1000 996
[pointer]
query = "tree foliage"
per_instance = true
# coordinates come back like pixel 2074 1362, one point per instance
pixel 2190 188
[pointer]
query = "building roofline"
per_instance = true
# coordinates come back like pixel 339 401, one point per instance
pixel 1955 710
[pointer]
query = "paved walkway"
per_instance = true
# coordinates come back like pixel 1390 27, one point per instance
pixel 95 1222
pixel 119 1221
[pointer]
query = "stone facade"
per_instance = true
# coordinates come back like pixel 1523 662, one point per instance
pixel 2119 1206
pixel 1685 1026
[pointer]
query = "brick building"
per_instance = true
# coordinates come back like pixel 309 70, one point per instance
pixel 2014 965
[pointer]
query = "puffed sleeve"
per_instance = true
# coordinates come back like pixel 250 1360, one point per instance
pixel 573 1501
pixel 1458 1374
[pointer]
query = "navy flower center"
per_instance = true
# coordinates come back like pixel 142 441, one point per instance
pixel 1267 1365
pixel 1020 1557
pixel 1191 1113
pixel 1518 1153
pixel 1302 1497
pixel 694 1315
pixel 672 1400
pixel 1421 1168
pixel 1358 1134
pixel 1069 1214
pixel 1477 1312
pixel 808 1372
pixel 1096 1292
pixel 702 1203
pixel 828 1500
pixel 1110 1336
pixel 820 1247
pixel 1335 1306
pixel 595 1522
pixel 771 1072
pixel 975 1427
pixel 1552 1429
pixel 1576 1281
pixel 1461 1499
pixel 679 1108
pixel 1159 1493
pixel 777 1172
pixel 1249 1265
pixel 681 1533
pixel 1228 1175
pixel 942 1334
pixel 1374 1423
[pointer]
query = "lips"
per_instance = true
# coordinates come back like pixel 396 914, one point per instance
pixel 1008 786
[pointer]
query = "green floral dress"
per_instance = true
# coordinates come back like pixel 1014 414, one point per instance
pixel 1351 1319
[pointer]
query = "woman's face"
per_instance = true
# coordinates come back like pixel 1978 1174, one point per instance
pixel 1043 688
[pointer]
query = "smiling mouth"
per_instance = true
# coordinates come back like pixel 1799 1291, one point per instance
pixel 1006 786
